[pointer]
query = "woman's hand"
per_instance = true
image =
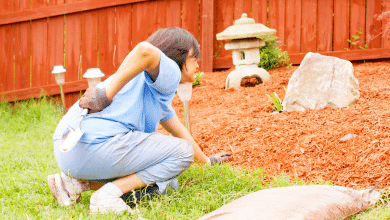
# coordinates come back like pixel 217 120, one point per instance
pixel 94 99
pixel 219 158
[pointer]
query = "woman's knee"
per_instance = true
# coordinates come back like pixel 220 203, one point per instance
pixel 185 151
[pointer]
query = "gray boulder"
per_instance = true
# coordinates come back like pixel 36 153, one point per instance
pixel 319 82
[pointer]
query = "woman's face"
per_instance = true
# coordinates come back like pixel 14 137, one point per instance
pixel 190 67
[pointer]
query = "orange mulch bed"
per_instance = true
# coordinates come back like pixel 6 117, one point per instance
pixel 303 145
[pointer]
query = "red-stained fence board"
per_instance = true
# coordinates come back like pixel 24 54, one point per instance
pixel 240 7
pixel 56 2
pixel 107 45
pixel 224 19
pixel 293 26
pixel 22 5
pixel 156 19
pixel 55 10
pixel 369 54
pixel 190 17
pixel 6 6
pixel 309 26
pixel 7 60
pixel 38 3
pixel 39 72
pixel 73 57
pixel 358 24
pixel 71 98
pixel 39 39
pixel 89 43
pixel 56 46
pixel 259 11
pixel 277 18
pixel 72 53
pixel 373 25
pixel 123 28
pixel 22 55
pixel 139 23
pixel 386 25
pixel 207 35
pixel 55 43
pixel 173 13
pixel 324 33
pixel 341 25
pixel 3 73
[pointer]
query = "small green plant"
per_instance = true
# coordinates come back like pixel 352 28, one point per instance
pixel 364 48
pixel 271 56
pixel 197 81
pixel 354 41
pixel 276 102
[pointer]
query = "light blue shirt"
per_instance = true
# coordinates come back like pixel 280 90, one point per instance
pixel 140 105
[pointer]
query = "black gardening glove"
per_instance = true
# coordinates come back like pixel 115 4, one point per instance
pixel 220 157
pixel 95 99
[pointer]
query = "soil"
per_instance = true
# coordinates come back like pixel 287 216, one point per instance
pixel 304 145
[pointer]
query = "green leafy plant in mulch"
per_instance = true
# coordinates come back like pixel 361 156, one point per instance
pixel 275 101
pixel 197 81
pixel 271 56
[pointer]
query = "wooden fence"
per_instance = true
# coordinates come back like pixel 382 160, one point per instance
pixel 35 35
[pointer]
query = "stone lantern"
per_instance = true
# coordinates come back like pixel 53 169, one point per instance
pixel 246 38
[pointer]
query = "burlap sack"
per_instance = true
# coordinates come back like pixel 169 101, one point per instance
pixel 297 202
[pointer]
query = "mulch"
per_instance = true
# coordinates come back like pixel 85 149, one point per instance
pixel 304 145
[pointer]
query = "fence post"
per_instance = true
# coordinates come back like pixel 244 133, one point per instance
pixel 207 35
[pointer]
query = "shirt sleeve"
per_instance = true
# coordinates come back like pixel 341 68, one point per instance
pixel 168 77
pixel 165 86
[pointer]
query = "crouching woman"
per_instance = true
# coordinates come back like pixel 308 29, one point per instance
pixel 120 150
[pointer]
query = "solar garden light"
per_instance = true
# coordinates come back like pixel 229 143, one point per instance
pixel 184 91
pixel 94 76
pixel 59 75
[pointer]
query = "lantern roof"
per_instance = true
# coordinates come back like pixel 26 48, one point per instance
pixel 93 73
pixel 245 28
pixel 58 69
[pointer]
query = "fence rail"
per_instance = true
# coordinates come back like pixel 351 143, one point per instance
pixel 35 35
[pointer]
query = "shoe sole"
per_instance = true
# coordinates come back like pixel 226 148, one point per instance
pixel 56 188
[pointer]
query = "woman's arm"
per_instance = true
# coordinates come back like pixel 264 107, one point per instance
pixel 143 57
pixel 177 129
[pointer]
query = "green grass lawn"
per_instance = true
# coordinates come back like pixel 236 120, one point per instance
pixel 27 158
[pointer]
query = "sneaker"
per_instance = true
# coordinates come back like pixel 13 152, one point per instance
pixel 135 196
pixel 108 199
pixel 65 189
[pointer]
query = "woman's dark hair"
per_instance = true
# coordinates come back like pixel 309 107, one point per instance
pixel 175 43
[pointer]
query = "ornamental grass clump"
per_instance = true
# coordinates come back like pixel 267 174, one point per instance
pixel 276 102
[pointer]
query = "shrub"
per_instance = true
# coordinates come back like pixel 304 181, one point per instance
pixel 271 56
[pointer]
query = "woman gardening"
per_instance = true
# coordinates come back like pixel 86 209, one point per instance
pixel 120 150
